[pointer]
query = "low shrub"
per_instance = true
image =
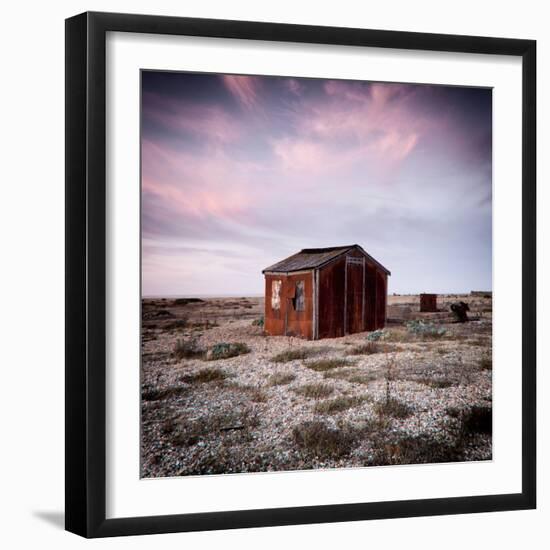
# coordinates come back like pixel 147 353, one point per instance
pixel 258 322
pixel 224 350
pixel 473 420
pixel 425 329
pixel 377 335
pixel 318 439
pixel 478 419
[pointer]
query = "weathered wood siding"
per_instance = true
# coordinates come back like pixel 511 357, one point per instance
pixel 332 287
pixel 370 291
pixel 428 302
pixel 355 292
pixel 381 284
pixel 351 295
pixel 286 320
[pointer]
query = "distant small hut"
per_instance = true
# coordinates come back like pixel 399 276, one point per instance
pixel 428 303
pixel 325 293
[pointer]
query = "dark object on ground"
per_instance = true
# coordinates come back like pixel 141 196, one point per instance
pixel 158 314
pixel 482 293
pixel 428 302
pixel 185 301
pixel 460 310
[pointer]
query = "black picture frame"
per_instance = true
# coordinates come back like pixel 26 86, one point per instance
pixel 86 274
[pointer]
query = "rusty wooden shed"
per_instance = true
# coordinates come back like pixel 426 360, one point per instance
pixel 428 302
pixel 325 293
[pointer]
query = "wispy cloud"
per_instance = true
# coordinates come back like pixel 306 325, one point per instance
pixel 235 181
pixel 243 88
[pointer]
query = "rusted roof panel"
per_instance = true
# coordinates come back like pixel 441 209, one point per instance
pixel 311 258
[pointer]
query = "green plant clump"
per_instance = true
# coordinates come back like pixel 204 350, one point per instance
pixel 377 335
pixel 223 350
pixel 425 329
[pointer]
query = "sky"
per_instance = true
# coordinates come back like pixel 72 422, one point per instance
pixel 239 172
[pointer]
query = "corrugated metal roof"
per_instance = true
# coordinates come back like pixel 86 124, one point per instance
pixel 311 258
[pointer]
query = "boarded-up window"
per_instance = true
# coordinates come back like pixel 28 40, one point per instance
pixel 299 298
pixel 275 294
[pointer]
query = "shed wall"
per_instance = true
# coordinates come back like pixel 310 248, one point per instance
pixel 381 297
pixel 287 321
pixel 332 284
pixel 351 294
pixel 428 302
pixel 351 300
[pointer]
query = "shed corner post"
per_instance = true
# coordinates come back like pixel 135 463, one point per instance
pixel 315 331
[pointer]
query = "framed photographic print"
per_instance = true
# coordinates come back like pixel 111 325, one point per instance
pixel 300 274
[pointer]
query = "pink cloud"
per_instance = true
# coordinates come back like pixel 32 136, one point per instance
pixel 397 146
pixel 197 185
pixel 376 123
pixel 301 155
pixel 244 88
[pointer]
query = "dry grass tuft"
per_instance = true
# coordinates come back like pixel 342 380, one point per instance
pixel 396 335
pixel 393 407
pixel 322 365
pixel 281 378
pixel 437 382
pixel 254 393
pixel 418 449
pixel 205 375
pixel 354 376
pixel 187 349
pixel 338 404
pixel 372 347
pixel 157 394
pixel 296 354
pixel 292 355
pixel 315 390
pixel 318 439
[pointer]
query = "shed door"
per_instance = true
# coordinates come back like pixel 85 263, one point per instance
pixel 354 301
